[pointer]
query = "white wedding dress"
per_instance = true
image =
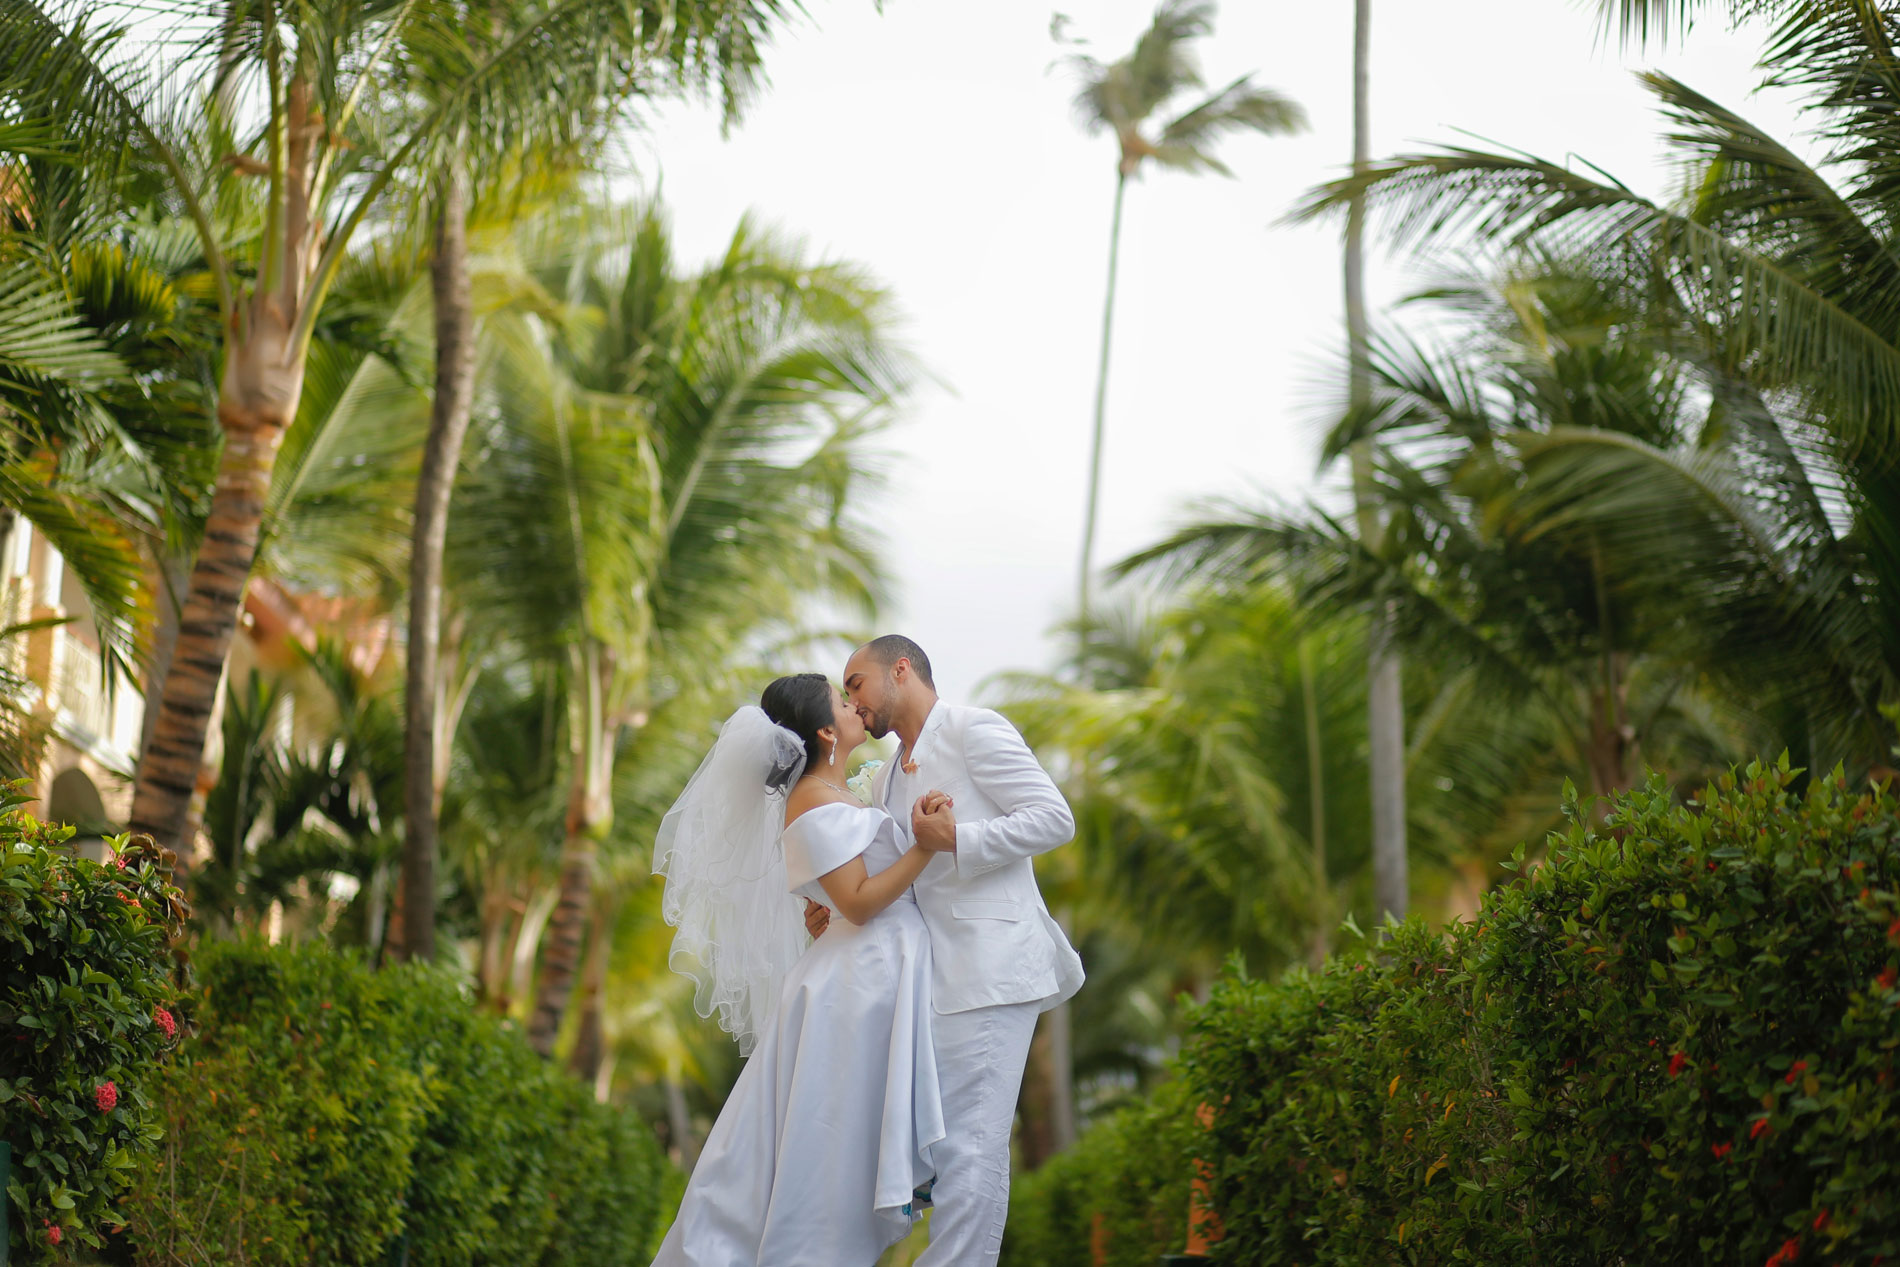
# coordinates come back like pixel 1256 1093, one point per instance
pixel 829 1128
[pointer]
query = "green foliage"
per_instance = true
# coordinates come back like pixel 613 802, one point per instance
pixel 85 1005
pixel 1673 1040
pixel 335 1114
pixel 1122 1188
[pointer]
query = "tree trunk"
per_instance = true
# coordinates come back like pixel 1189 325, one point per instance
pixel 589 816
pixel 173 579
pixel 1036 1140
pixel 590 1041
pixel 257 399
pixel 1385 701
pixel 1316 799
pixel 679 1124
pixel 527 939
pixel 256 402
pixel 1086 580
pixel 1612 738
pixel 491 974
pixel 441 458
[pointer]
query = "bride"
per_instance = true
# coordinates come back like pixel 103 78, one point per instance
pixel 828 1130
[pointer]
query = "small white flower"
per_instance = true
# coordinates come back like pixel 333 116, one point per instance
pixel 860 783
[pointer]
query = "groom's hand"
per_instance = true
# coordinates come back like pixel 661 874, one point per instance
pixel 933 823
pixel 817 918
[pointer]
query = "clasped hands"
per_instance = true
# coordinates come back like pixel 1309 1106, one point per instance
pixel 933 825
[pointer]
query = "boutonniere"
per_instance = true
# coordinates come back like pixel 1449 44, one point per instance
pixel 860 783
pixel 910 762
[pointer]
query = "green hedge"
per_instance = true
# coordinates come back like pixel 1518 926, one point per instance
pixel 1674 1039
pixel 86 1021
pixel 331 1114
pixel 1108 1192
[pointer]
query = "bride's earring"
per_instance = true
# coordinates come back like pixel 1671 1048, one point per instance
pixel 832 760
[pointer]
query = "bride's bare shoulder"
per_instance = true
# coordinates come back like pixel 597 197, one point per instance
pixel 809 794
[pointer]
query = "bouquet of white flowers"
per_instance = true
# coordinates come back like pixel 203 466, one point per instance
pixel 860 783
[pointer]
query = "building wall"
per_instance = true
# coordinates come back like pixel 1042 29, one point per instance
pixel 60 684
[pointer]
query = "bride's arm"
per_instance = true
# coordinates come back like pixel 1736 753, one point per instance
pixel 858 895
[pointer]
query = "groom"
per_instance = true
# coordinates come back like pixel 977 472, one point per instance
pixel 967 788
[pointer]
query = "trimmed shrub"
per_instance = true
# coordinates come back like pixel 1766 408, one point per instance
pixel 332 1114
pixel 1121 1191
pixel 1674 1039
pixel 87 1017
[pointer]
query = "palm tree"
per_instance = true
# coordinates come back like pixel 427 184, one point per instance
pixel 1384 677
pixel 334 141
pixel 310 779
pixel 1493 573
pixel 732 60
pixel 64 455
pixel 1124 97
pixel 667 473
pixel 1191 763
pixel 1774 281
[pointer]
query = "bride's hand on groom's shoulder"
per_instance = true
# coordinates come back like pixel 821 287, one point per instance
pixel 933 822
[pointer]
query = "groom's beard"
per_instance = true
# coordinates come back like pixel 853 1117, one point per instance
pixel 877 724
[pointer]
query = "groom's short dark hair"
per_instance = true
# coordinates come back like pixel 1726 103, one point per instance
pixel 894 647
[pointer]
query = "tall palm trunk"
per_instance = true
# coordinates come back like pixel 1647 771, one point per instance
pixel 1316 800
pixel 257 399
pixel 441 457
pixel 680 1123
pixel 1385 702
pixel 1086 579
pixel 491 975
pixel 590 1040
pixel 1051 1061
pixel 1611 739
pixel 589 818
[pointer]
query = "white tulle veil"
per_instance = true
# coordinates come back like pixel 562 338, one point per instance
pixel 740 928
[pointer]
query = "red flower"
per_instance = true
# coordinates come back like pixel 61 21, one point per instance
pixel 1676 1062
pixel 1795 1071
pixel 1721 1151
pixel 1820 1220
pixel 163 1019
pixel 53 1235
pixel 1760 1128
pixel 106 1096
pixel 1893 931
pixel 1711 864
pixel 1789 1251
pixel 118 860
pixel 1887 978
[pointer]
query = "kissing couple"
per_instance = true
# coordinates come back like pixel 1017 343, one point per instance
pixel 885 1056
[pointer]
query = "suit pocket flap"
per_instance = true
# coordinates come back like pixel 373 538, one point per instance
pixel 986 908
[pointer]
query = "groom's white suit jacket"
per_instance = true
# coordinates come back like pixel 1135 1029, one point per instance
pixel 992 939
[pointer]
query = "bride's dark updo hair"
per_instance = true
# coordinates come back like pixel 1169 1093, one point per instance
pixel 801 703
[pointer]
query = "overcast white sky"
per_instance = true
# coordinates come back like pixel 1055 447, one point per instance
pixel 935 144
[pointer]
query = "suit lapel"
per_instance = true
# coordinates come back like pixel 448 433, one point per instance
pixel 880 784
pixel 926 738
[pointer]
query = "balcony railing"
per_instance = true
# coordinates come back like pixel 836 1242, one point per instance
pixel 79 691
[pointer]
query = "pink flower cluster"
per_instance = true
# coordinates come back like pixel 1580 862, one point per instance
pixel 106 1097
pixel 163 1019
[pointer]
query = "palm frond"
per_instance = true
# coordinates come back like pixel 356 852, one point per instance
pixel 1239 107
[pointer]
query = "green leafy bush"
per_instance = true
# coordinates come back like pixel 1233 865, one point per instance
pixel 87 1017
pixel 1674 1039
pixel 332 1114
pixel 1122 1191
